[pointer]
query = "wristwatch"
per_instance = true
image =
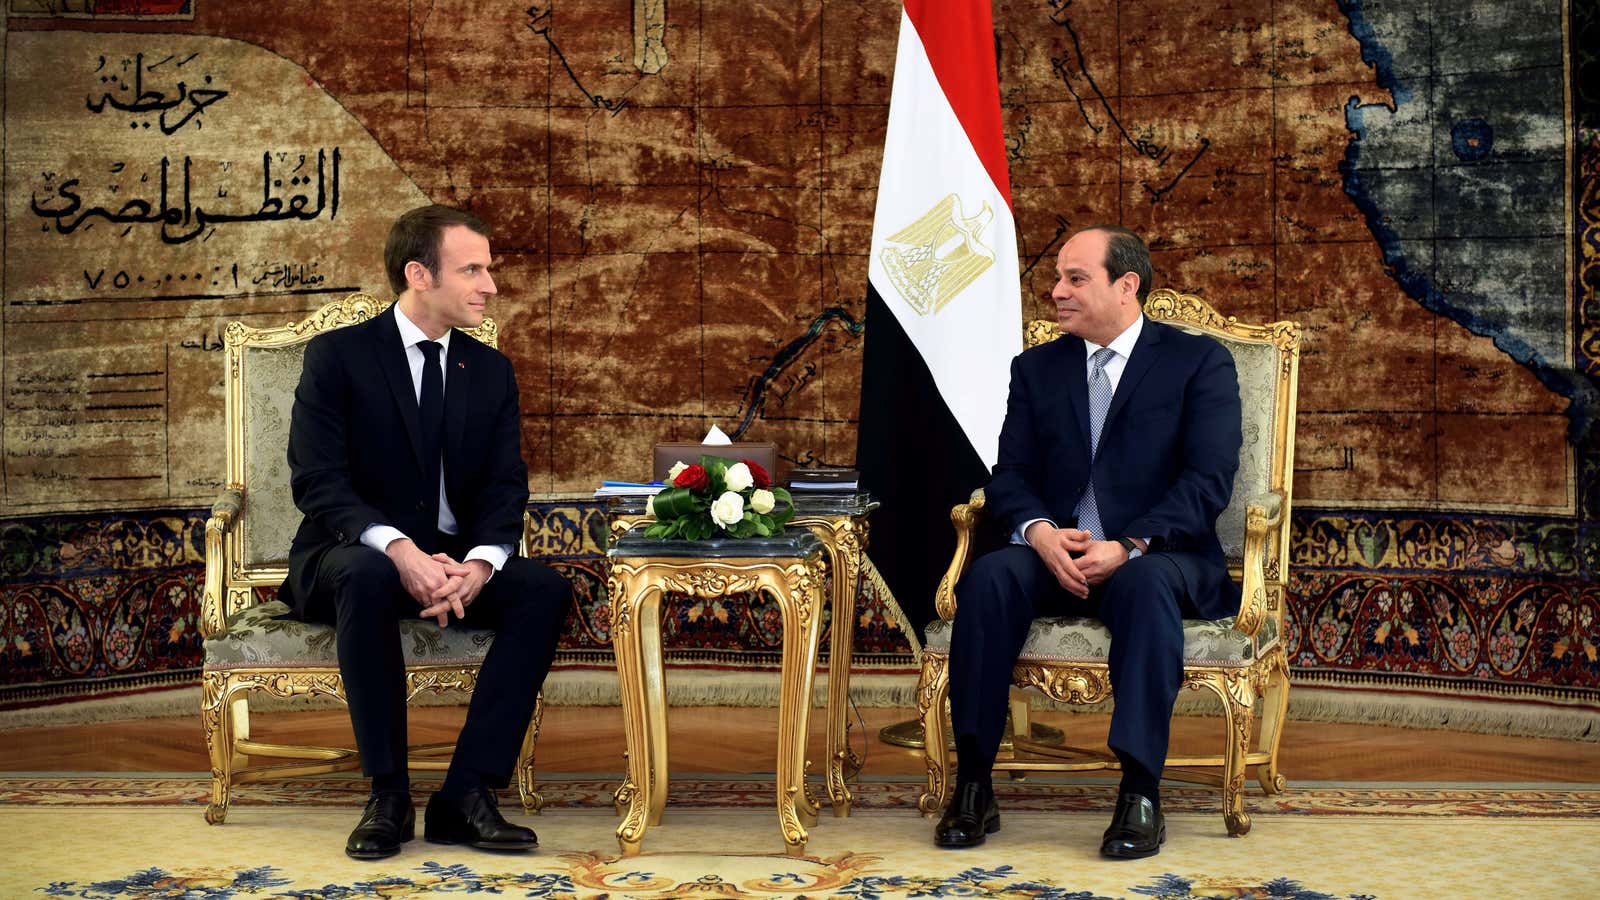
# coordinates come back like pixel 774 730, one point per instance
pixel 1133 549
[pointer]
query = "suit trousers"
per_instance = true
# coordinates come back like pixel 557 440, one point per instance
pixel 358 591
pixel 1143 604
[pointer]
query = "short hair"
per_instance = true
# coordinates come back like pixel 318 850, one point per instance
pixel 1126 252
pixel 418 234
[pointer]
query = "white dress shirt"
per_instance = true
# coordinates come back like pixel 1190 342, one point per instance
pixel 1121 348
pixel 379 536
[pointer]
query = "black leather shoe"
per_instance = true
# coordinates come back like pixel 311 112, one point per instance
pixel 474 818
pixel 386 823
pixel 971 816
pixel 1136 831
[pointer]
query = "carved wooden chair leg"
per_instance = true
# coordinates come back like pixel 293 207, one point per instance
pixel 532 800
pixel 217 724
pixel 1237 701
pixel 933 692
pixel 1274 710
pixel 1021 726
pixel 239 724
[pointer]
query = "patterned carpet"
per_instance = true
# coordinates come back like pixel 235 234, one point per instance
pixel 719 838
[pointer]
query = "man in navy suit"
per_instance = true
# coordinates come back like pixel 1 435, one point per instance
pixel 406 460
pixel 1118 452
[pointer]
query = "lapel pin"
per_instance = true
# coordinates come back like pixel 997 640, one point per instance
pixel 461 365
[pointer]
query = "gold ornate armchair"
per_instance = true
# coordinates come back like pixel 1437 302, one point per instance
pixel 1239 659
pixel 247 647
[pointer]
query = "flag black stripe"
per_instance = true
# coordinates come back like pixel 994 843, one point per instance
pixel 915 459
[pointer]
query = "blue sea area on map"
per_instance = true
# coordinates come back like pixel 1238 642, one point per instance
pixel 1458 162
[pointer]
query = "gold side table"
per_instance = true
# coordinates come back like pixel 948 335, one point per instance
pixel 790 568
pixel 840 522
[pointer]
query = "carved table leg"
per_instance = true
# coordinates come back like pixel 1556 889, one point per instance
pixel 655 698
pixel 801 602
pixel 844 548
pixel 627 593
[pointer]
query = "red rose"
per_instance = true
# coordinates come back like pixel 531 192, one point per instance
pixel 759 475
pixel 693 478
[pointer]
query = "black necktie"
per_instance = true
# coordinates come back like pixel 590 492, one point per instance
pixel 431 407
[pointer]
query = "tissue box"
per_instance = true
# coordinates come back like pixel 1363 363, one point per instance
pixel 668 452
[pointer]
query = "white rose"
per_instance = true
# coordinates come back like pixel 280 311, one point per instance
pixel 727 509
pixel 677 468
pixel 650 505
pixel 739 477
pixel 762 501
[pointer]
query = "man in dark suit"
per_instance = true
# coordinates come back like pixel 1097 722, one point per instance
pixel 1128 431
pixel 406 460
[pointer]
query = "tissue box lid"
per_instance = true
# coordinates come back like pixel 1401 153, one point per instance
pixel 668 452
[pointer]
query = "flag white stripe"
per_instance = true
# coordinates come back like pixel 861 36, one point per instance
pixel 927 156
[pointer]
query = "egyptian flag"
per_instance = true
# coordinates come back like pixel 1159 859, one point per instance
pixel 944 303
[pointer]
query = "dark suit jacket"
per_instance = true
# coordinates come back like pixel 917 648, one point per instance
pixel 1169 448
pixel 354 452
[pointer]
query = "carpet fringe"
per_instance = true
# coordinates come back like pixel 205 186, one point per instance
pixel 570 687
pixel 1312 704
pixel 724 688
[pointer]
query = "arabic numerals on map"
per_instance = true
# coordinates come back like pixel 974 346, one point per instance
pixel 252 277
pixel 125 279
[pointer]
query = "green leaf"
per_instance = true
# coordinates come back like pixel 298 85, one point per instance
pixel 674 502
pixel 717 468
pixel 781 516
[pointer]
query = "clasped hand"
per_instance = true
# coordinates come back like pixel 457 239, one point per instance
pixel 1076 559
pixel 438 583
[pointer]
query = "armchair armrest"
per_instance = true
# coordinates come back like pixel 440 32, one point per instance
pixel 1271 506
pixel 224 515
pixel 964 517
pixel 1262 515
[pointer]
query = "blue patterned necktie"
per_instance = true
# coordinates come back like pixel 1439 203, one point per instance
pixel 1099 405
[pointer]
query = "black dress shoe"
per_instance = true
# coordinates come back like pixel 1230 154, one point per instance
pixel 971 816
pixel 474 818
pixel 1136 831
pixel 386 823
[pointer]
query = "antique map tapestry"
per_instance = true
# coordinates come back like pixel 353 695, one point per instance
pixel 682 192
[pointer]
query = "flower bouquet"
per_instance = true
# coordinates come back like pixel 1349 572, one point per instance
pixel 714 499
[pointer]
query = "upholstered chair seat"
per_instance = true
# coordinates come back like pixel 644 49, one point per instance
pixel 261 638
pixel 1068 639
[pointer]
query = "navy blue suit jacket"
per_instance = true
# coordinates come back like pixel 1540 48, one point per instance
pixel 355 454
pixel 1168 452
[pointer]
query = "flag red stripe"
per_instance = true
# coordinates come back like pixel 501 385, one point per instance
pixel 958 36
